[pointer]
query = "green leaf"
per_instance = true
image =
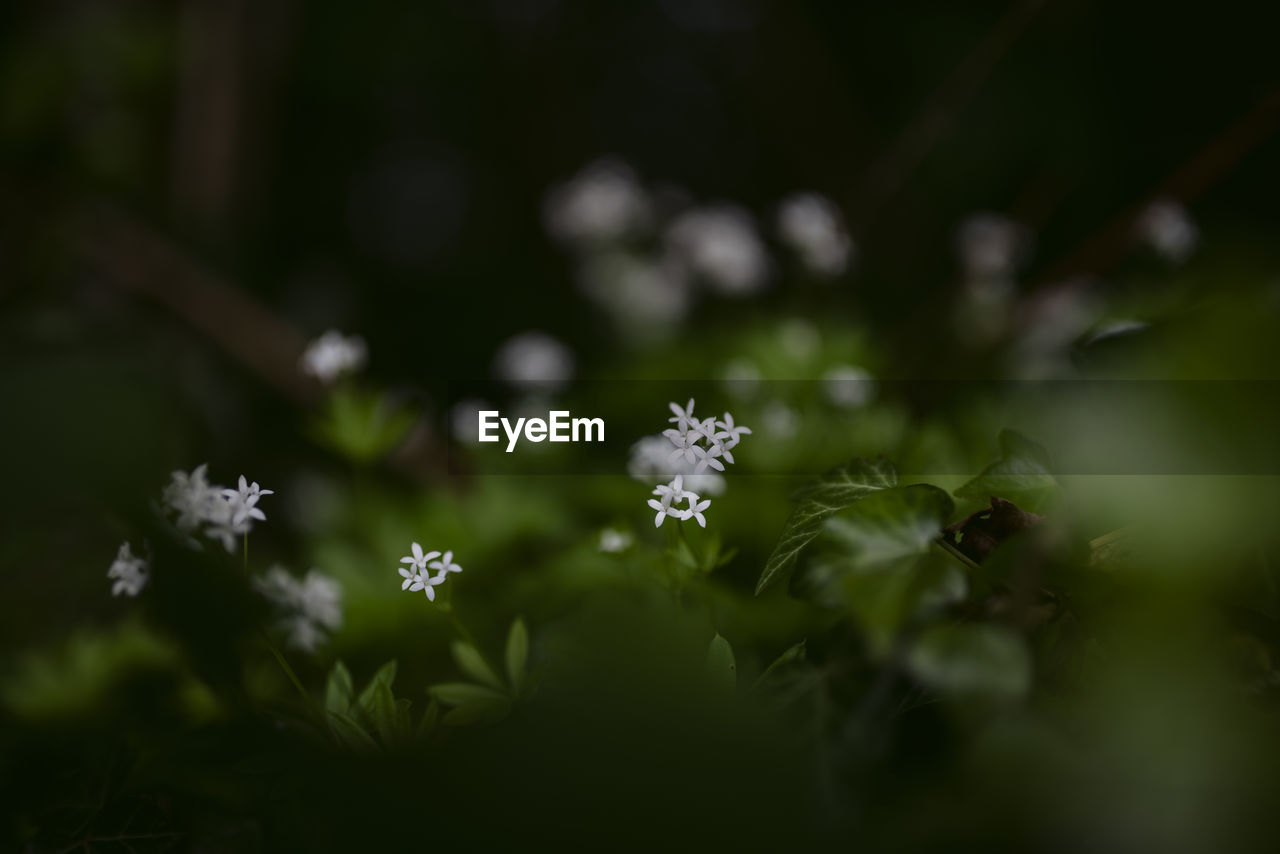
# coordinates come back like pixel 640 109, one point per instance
pixel 791 656
pixel 339 693
pixel 974 664
pixel 350 734
pixel 834 491
pixel 517 654
pixel 1022 475
pixel 361 425
pixel 477 712
pixel 430 718
pixel 385 675
pixel 461 693
pixel 721 664
pixel 889 526
pixel 472 664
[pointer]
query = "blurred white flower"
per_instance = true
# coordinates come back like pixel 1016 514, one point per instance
pixel 847 386
pixel 128 572
pixel 650 459
pixel 780 421
pixel 602 203
pixel 645 298
pixel 800 339
pixel 613 541
pixel 741 378
pixel 812 226
pixel 992 246
pixel 309 608
pixel 227 514
pixel 534 358
pixel 1167 228
pixel 332 355
pixel 1049 323
pixel 719 244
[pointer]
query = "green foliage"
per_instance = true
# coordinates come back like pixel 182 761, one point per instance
pixel 489 698
pixel 975 666
pixel 834 491
pixel 354 720
pixel 361 425
pixel 721 666
pixel 1022 474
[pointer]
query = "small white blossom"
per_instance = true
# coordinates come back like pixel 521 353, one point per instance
pixel 417 576
pixel 731 432
pixel 244 500
pixel 226 514
pixel 694 511
pixel 719 244
pixel 191 497
pixel 1167 228
pixel 128 572
pixel 709 457
pixel 613 541
pixel 309 608
pixel 445 565
pixel 332 355
pixel 992 246
pixel 670 493
pixel 812 226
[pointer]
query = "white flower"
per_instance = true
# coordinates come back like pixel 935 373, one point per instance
pixel 603 203
pixel 719 244
pixel 646 298
pixel 418 574
pixel 534 358
pixel 685 444
pixel 683 416
pixel 694 510
pixel 992 246
pixel 709 457
pixel 670 493
pixel 650 460
pixel 228 523
pixel 418 560
pixel 812 226
pixel 130 573
pixel 309 608
pixel 244 500
pixel 730 431
pixel 847 386
pixel 445 565
pixel 613 541
pixel 663 512
pixel 191 497
pixel 1168 229
pixel 332 355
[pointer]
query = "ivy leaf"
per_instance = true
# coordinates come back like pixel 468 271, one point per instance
pixel 721 664
pixel 517 654
pixel 472 664
pixel 834 491
pixel 973 664
pixel 339 693
pixel 1022 475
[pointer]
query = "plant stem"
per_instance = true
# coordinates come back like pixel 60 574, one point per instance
pixel 288 670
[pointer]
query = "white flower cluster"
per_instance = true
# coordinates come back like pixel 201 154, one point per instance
pixel 130 573
pixel 812 226
pixel 223 514
pixel 1167 228
pixel 309 607
pixel 702 443
pixel 332 355
pixel 417 575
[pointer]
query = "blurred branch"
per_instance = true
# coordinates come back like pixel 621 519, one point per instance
pixel 890 172
pixel 1190 180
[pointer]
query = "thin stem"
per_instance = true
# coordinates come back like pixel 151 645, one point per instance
pixel 288 670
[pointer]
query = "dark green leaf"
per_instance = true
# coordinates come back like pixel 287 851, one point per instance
pixel 1022 475
pixel 475 712
pixel 339 692
pixel 350 734
pixel 721 664
pixel 517 654
pixel 834 491
pixel 384 677
pixel 793 655
pixel 461 693
pixel 472 664
pixel 971 663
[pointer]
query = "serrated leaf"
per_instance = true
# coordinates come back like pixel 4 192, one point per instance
pixel 1022 474
pixel 977 664
pixel 517 656
pixel 834 491
pixel 461 693
pixel 472 664
pixel 339 692
pixel 721 664
pixel 889 526
pixel 478 712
